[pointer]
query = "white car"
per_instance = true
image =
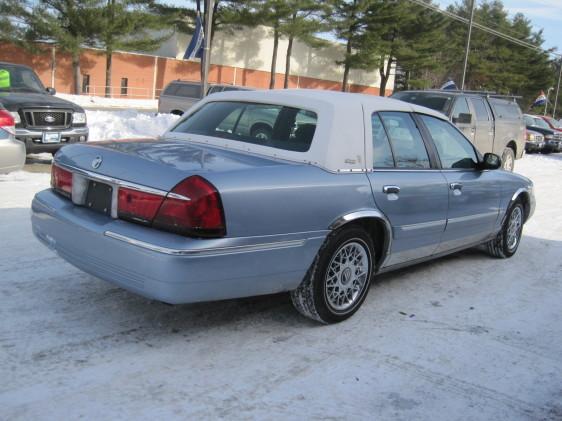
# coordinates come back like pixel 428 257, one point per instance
pixel 12 151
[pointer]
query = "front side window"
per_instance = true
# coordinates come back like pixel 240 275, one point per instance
pixel 461 107
pixel 275 126
pixel 455 151
pixel 405 139
pixel 188 90
pixel 480 107
pixel 382 154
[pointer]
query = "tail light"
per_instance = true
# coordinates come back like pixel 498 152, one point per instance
pixel 138 206
pixel 7 122
pixel 61 180
pixel 192 208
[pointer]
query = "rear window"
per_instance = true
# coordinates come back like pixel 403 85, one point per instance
pixel 505 110
pixel 271 125
pixel 435 101
pixel 183 89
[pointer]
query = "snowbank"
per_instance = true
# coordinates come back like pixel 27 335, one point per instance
pixel 106 125
pixel 97 102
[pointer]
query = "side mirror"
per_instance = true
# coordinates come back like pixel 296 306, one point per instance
pixel 463 118
pixel 491 161
pixel 51 91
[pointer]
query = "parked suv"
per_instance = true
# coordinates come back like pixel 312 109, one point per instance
pixel 492 123
pixel 180 95
pixel 552 139
pixel 43 122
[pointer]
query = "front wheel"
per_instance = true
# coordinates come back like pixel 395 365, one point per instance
pixel 508 159
pixel 337 283
pixel 507 241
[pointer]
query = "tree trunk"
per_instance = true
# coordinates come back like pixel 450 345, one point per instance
pixel 385 74
pixel 346 66
pixel 274 57
pixel 108 63
pixel 288 62
pixel 76 71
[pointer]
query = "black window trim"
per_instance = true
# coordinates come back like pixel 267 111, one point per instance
pixel 434 148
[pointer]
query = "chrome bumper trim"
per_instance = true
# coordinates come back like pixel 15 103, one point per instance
pixel 206 251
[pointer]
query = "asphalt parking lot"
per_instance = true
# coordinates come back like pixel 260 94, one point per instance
pixel 464 337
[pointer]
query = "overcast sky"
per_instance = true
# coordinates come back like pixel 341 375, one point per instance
pixel 544 14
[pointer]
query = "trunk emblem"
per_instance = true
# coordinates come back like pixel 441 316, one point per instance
pixel 97 162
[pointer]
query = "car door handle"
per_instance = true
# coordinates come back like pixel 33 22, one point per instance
pixel 456 188
pixel 391 189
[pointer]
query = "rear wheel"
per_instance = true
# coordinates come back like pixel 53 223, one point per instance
pixel 508 159
pixel 507 241
pixel 337 283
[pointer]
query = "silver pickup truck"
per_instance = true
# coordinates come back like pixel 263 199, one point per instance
pixel 492 123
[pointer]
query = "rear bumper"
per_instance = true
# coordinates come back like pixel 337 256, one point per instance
pixel 12 155
pixel 167 267
pixel 33 138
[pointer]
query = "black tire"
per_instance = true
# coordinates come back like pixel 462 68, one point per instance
pixel 508 159
pixel 311 297
pixel 261 131
pixel 500 246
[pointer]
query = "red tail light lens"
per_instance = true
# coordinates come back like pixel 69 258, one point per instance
pixel 138 206
pixel 7 122
pixel 61 180
pixel 192 208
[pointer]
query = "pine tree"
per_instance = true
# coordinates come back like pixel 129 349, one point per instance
pixel 69 23
pixel 129 25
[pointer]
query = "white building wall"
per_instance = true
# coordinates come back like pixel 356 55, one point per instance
pixel 252 48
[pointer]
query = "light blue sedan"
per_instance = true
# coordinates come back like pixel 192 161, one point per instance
pixel 345 187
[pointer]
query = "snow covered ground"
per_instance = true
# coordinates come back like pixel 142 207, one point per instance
pixel 98 102
pixel 465 337
pixel 106 125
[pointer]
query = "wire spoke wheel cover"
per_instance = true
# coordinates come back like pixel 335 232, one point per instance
pixel 514 228
pixel 347 275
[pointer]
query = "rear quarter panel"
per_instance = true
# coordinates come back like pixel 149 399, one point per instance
pixel 288 199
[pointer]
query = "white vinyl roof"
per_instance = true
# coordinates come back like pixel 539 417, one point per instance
pixel 339 139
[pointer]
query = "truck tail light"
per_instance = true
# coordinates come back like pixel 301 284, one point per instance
pixel 7 122
pixel 138 206
pixel 192 208
pixel 61 180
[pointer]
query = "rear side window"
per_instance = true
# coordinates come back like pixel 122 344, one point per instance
pixel 507 110
pixel 271 125
pixel 171 89
pixel 188 90
pixel 382 154
pixel 481 109
pixel 405 139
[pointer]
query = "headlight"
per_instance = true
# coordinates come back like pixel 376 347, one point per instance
pixel 530 136
pixel 79 118
pixel 16 116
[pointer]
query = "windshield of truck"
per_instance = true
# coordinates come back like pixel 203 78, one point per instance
pixel 19 79
pixel 554 123
pixel 539 122
pixel 435 101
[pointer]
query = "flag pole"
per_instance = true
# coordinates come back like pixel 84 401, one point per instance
pixel 207 48
pixel 472 7
pixel 557 88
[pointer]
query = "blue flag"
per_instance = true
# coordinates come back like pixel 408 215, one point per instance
pixel 195 46
pixel 449 85
pixel 541 100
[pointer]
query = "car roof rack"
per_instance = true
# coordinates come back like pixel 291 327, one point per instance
pixel 466 91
